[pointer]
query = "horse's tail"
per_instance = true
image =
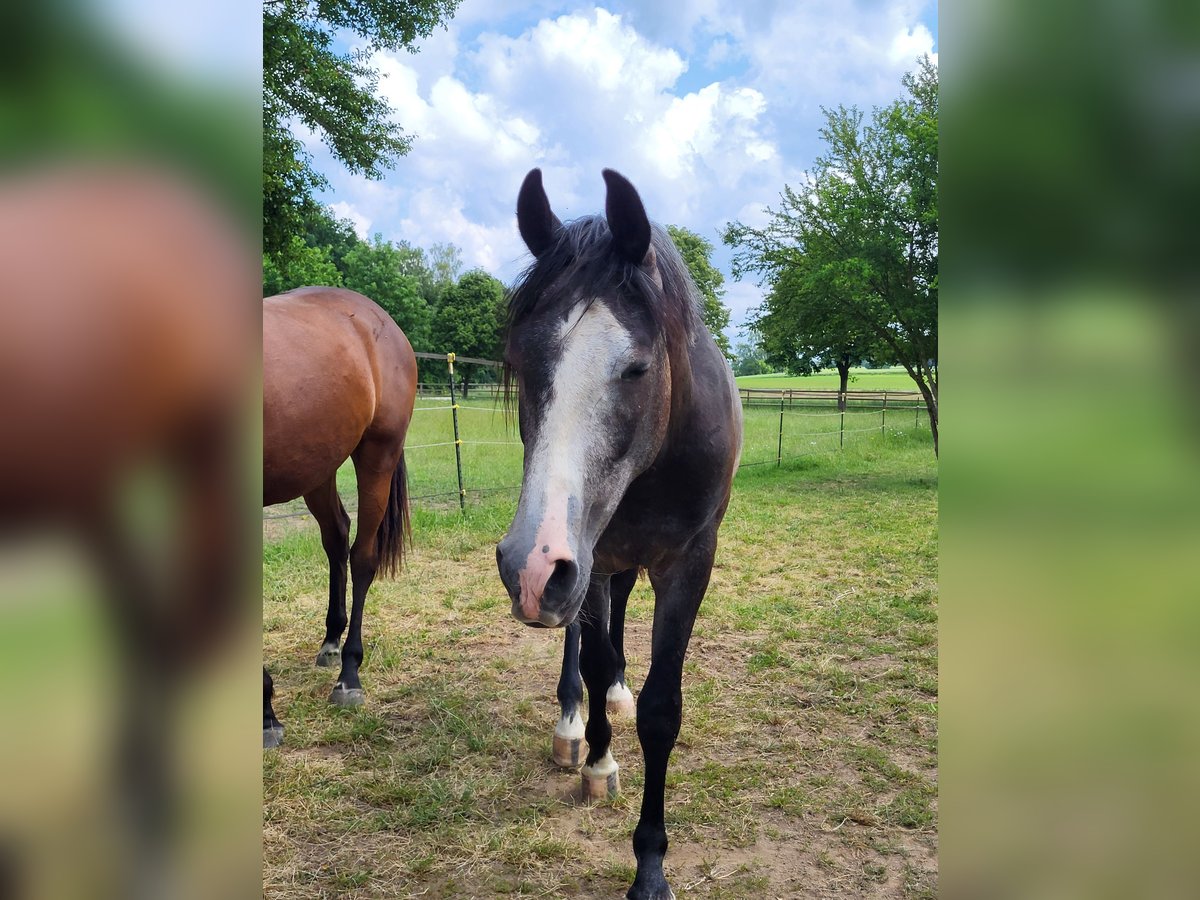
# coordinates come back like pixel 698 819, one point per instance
pixel 396 529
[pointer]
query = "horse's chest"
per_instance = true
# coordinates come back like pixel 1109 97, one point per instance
pixel 650 523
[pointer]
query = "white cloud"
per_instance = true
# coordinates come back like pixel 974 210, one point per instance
pixel 361 223
pixel 826 52
pixel 577 92
pixel 436 215
pixel 909 45
pixel 572 94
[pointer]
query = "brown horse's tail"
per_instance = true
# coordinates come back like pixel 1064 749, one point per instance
pixel 396 529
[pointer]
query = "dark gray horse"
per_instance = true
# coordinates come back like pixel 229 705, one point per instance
pixel 632 429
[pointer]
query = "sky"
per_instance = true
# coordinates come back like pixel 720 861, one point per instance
pixel 708 106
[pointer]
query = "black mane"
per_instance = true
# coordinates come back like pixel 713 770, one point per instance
pixel 583 249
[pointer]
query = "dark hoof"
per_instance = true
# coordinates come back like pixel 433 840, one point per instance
pixel 344 696
pixel 661 892
pixel 329 657
pixel 272 737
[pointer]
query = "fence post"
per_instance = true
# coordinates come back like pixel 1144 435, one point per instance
pixel 842 430
pixel 883 418
pixel 462 493
pixel 779 452
pixel 916 414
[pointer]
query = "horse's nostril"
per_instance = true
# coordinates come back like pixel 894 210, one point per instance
pixel 562 579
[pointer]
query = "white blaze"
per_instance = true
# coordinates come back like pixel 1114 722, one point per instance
pixel 573 428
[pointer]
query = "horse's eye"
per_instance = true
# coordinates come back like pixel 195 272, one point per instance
pixel 634 372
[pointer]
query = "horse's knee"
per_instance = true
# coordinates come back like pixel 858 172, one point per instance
pixel 658 718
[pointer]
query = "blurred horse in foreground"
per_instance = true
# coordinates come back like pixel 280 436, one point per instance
pixel 126 366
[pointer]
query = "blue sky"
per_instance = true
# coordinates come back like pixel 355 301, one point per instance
pixel 708 106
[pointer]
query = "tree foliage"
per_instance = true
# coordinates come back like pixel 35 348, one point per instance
pixel 307 82
pixel 697 253
pixel 470 319
pixel 749 359
pixel 301 265
pixel 384 272
pixel 403 279
pixel 851 254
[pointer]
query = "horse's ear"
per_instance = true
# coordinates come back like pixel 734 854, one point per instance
pixel 627 219
pixel 537 223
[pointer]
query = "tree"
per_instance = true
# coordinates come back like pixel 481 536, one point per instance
pixel 337 236
pixel 804 330
pixel 854 249
pixel 749 360
pixel 301 265
pixel 696 253
pixel 306 81
pixel 382 271
pixel 469 320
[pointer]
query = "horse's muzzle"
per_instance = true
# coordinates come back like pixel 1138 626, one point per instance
pixel 545 593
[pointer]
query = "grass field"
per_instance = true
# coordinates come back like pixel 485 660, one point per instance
pixel 890 379
pixel 807 763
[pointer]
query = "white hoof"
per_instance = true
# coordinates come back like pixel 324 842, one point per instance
pixel 568 741
pixel 601 781
pixel 568 752
pixel 619 701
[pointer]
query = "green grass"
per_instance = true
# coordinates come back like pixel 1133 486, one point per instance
pixel 893 378
pixel 492 453
pixel 807 760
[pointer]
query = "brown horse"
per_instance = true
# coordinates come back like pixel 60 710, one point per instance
pixel 339 382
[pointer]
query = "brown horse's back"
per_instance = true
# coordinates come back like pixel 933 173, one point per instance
pixel 336 369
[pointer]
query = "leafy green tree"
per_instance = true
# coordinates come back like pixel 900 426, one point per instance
pixel 307 82
pixel 378 270
pixel 749 359
pixel 804 332
pixel 302 265
pixel 697 253
pixel 469 320
pixel 337 236
pixel 854 249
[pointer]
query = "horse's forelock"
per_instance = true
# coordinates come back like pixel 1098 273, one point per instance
pixel 583 249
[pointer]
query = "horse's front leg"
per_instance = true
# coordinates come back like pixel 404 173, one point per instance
pixel 598 665
pixel 568 733
pixel 678 589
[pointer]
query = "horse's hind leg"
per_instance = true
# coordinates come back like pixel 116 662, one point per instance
pixel 619 698
pixel 326 507
pixel 374 465
pixel 272 727
pixel 568 733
